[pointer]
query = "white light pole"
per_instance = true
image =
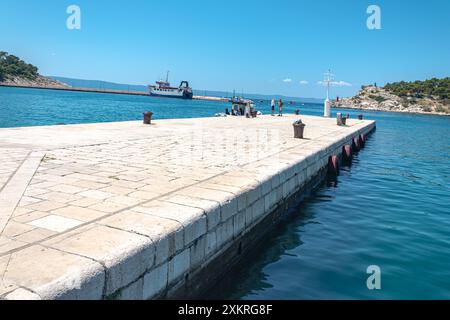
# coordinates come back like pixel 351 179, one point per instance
pixel 327 103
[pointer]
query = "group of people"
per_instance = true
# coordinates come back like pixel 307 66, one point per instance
pixel 280 107
pixel 246 110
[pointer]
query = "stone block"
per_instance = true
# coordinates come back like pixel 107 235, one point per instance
pixel 259 207
pixel 270 200
pixel 125 255
pixel 198 249
pixel 224 232
pixel 211 243
pixel 179 265
pixel 54 274
pixel 210 208
pixel 22 294
pixel 155 281
pixel 55 223
pixel 239 223
pixel 192 219
pixel 134 291
pixel 163 232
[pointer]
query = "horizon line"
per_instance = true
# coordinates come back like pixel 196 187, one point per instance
pixel 211 90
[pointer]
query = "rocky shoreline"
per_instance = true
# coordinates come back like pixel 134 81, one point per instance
pixel 362 108
pixel 378 99
pixel 38 82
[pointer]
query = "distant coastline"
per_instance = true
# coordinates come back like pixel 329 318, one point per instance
pixel 418 97
pixel 413 101
pixel 90 90
pixel 391 111
pixel 67 88
pixel 36 82
pixel 97 86
pixel 14 72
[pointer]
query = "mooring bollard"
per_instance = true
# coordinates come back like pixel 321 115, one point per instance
pixel 339 119
pixel 360 116
pixel 299 128
pixel 148 117
pixel 297 112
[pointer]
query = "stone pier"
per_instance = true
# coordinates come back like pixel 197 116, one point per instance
pixel 132 211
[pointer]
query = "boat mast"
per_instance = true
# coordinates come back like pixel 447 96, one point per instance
pixel 167 76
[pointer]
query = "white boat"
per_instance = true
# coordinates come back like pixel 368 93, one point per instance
pixel 163 89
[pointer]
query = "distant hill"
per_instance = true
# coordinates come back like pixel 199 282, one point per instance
pixel 16 72
pixel 435 89
pixel 429 96
pixel 98 84
pixel 12 66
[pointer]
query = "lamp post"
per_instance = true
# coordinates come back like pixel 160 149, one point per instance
pixel 327 104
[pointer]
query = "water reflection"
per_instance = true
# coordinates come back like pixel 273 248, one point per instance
pixel 249 277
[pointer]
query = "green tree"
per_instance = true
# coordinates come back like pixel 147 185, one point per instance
pixel 433 88
pixel 11 65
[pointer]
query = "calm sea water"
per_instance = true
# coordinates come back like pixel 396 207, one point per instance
pixel 391 208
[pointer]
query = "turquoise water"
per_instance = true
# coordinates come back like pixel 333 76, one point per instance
pixel 391 208
pixel 28 107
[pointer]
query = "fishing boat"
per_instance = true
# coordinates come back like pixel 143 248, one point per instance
pixel 163 89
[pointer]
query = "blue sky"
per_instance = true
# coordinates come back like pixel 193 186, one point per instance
pixel 224 45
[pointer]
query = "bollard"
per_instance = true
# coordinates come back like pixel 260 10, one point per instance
pixel 339 119
pixel 148 117
pixel 297 112
pixel 299 128
pixel 360 116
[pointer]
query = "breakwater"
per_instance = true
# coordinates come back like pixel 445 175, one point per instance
pixel 128 211
pixel 107 91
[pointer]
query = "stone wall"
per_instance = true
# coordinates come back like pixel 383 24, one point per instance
pixel 215 241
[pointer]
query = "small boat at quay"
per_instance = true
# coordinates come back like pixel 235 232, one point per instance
pixel 163 89
pixel 238 105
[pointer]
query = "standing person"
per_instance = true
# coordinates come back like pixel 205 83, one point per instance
pixel 280 108
pixel 234 111
pixel 247 110
pixel 272 104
